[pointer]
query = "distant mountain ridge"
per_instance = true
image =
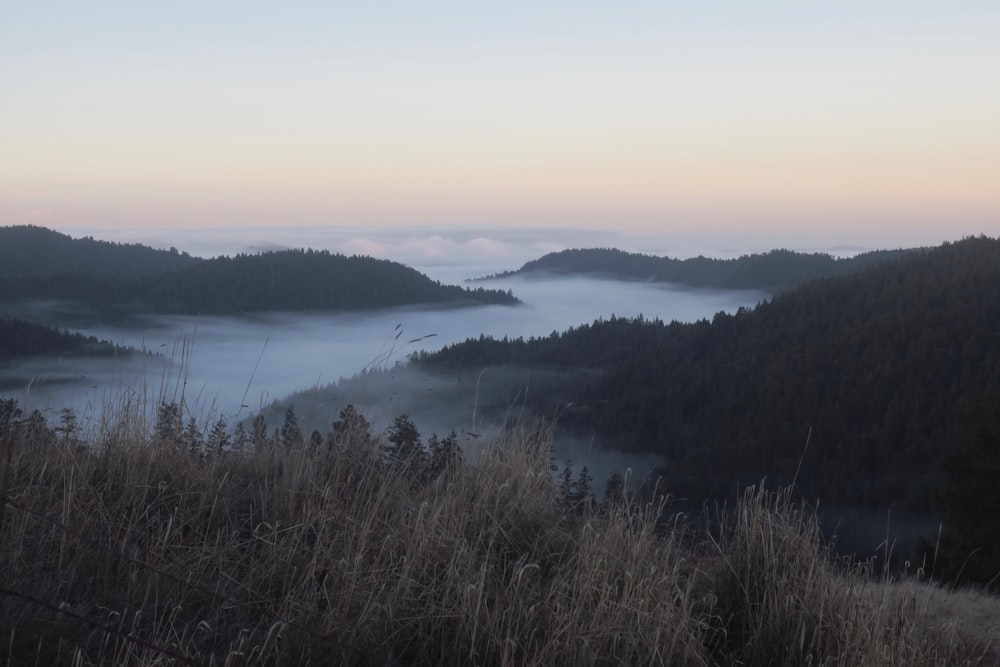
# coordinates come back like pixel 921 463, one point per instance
pixel 773 271
pixel 114 279
pixel 28 251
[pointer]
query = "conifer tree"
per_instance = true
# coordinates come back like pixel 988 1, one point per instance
pixel 405 447
pixel 971 505
pixel 218 438
pixel 241 439
pixel 259 433
pixel 444 454
pixel 168 423
pixel 9 414
pixel 193 437
pixel 566 482
pixel 67 424
pixel 582 496
pixel 291 435
pixel 614 489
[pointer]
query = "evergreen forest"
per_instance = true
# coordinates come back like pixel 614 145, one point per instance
pixel 876 389
pixel 28 251
pixel 113 280
pixel 22 338
pixel 773 271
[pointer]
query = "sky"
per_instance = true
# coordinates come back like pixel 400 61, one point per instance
pixel 842 120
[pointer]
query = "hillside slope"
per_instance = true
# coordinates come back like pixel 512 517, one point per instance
pixel 115 280
pixel 22 338
pixel 29 251
pixel 886 369
pixel 774 271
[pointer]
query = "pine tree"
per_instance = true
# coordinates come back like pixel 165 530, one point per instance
pixel 259 433
pixel 405 447
pixel 582 496
pixel 218 438
pixel 566 482
pixel 193 437
pixel 291 435
pixel 970 503
pixel 351 426
pixel 614 490
pixel 35 430
pixel 67 424
pixel 9 414
pixel 168 423
pixel 241 439
pixel 444 454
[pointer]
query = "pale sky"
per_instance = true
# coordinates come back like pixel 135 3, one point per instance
pixel 654 116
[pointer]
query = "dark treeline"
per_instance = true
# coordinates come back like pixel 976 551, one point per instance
pixel 304 280
pixel 895 371
pixel 30 251
pixel 21 338
pixel 773 271
pixel 301 280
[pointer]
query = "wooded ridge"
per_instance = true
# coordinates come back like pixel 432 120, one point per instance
pixel 773 271
pixel 106 278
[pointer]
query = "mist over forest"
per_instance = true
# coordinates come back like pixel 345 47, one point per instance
pixel 612 401
pixel 224 363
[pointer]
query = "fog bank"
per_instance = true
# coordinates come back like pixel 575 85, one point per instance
pixel 235 366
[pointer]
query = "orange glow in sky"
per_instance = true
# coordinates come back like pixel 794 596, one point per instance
pixel 579 114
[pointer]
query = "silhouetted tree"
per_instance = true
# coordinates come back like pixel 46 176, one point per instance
pixel 444 454
pixel 9 414
pixel 241 439
pixel 218 438
pixel 581 495
pixel 970 502
pixel 67 424
pixel 291 434
pixel 405 447
pixel 193 438
pixel 614 489
pixel 566 482
pixel 258 433
pixel 168 423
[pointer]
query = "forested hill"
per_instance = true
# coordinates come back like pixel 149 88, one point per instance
pixel 773 271
pixel 21 338
pixel 303 280
pixel 891 369
pixel 28 251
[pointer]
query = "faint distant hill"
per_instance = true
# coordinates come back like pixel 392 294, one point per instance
pixel 114 280
pixel 28 251
pixel 773 271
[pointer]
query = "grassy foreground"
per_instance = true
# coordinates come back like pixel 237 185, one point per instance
pixel 130 549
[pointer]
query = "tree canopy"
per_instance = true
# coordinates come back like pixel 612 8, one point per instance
pixel 773 271
pixel 880 366
pixel 114 279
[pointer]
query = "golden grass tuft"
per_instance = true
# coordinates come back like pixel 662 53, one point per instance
pixel 132 550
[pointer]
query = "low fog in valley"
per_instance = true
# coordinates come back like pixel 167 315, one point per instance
pixel 319 363
pixel 236 366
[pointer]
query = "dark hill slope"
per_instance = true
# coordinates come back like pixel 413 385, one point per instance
pixel 773 271
pixel 279 281
pixel 21 338
pixel 29 251
pixel 884 366
pixel 303 280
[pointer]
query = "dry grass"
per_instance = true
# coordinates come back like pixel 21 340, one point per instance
pixel 134 551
